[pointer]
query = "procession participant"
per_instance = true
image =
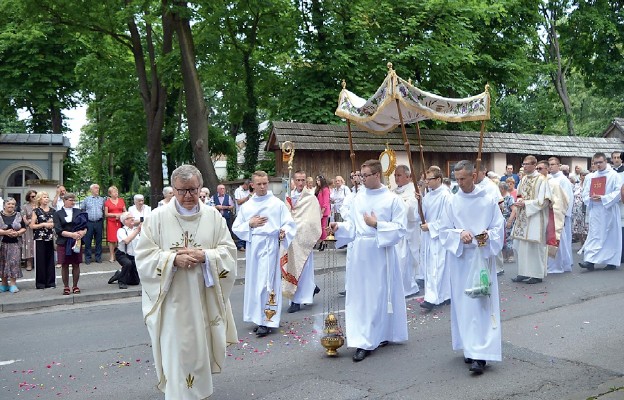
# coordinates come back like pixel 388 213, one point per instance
pixel 563 261
pixel 616 157
pixel 556 213
pixel 491 188
pixel 262 223
pixel 408 248
pixel 601 195
pixel 375 310
pixel 530 225
pixel 356 181
pixel 433 253
pixel 187 265
pixel 475 322
pixel 298 273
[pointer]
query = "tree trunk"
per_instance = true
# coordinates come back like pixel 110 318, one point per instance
pixel 250 124
pixel 57 119
pixel 154 98
pixel 197 116
pixel 553 55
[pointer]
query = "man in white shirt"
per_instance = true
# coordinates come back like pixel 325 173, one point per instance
pixel 241 196
pixel 128 238
pixel 139 210
pixel 57 203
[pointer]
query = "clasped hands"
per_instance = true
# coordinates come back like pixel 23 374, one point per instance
pixel 187 258
pixel 466 236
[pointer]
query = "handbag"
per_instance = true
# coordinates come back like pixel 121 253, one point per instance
pixel 479 281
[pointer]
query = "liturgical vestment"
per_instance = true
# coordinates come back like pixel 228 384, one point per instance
pixel 262 273
pixel 604 239
pixel 475 322
pixel 375 304
pixel 187 311
pixel 433 253
pixel 408 248
pixel 529 230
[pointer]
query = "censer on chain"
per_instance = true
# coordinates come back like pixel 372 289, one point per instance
pixel 270 308
pixel 333 338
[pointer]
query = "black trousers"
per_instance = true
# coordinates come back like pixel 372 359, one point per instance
pixel 44 264
pixel 128 274
pixel 94 231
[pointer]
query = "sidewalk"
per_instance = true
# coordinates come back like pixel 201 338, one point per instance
pixel 94 284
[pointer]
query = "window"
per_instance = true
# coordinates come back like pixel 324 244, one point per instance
pixel 19 177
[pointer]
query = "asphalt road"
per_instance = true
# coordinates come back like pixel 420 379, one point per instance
pixel 562 339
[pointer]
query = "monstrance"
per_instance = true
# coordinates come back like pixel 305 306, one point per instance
pixel 388 163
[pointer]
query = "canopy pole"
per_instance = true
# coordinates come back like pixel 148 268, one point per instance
pixel 352 153
pixel 478 166
pixel 422 156
pixel 409 160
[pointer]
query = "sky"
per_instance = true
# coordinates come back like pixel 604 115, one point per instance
pixel 76 118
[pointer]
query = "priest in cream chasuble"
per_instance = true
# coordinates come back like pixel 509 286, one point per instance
pixel 187 263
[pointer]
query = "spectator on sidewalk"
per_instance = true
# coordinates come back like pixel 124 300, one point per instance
pixel 128 238
pixel 94 206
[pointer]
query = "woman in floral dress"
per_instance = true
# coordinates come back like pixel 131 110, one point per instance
pixel 11 230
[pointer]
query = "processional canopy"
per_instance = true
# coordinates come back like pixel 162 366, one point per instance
pixel 380 114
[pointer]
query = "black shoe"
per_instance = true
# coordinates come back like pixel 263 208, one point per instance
pixel 114 278
pixel 420 283
pixel 426 305
pixel 294 307
pixel 98 261
pixel 446 302
pixel 468 360
pixel 609 267
pixel 587 265
pixel 123 285
pixel 360 354
pixel 317 290
pixel 87 262
pixel 263 331
pixel 499 273
pixel 343 294
pixel 520 278
pixel 533 281
pixel 477 366
pixel 383 344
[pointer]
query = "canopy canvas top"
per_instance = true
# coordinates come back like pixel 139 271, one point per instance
pixel 380 114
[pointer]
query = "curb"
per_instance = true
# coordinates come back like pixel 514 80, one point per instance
pixel 104 296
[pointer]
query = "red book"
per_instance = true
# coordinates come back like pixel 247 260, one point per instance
pixel 598 186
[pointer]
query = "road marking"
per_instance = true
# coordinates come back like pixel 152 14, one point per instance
pixel 8 362
pixel 81 274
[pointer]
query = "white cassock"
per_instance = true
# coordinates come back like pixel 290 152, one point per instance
pixel 262 272
pixel 475 322
pixel 344 213
pixel 563 260
pixel 433 253
pixel 604 239
pixel 375 304
pixel 408 248
pixel 187 311
pixel 492 189
pixel 529 231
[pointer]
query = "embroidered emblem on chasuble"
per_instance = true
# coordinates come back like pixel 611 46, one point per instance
pixel 528 191
pixel 190 379
pixel 216 321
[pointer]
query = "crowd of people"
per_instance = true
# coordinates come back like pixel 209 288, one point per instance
pixel 400 241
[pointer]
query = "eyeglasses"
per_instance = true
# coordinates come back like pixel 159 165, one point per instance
pixel 527 163
pixel 183 192
pixel 202 197
pixel 540 168
pixel 431 179
pixel 367 175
